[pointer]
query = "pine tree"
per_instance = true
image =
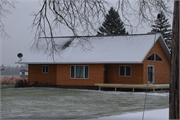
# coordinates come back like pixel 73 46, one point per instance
pixel 112 24
pixel 162 26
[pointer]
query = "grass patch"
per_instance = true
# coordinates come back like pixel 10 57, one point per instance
pixel 6 86
pixel 53 103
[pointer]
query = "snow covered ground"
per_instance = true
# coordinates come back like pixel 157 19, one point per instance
pixel 160 114
pixel 57 103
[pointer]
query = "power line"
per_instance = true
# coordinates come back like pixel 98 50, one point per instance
pixel 158 17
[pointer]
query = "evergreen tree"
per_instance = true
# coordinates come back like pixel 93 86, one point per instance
pixel 11 70
pixel 112 24
pixel 162 26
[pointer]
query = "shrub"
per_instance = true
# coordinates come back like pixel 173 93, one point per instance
pixel 21 83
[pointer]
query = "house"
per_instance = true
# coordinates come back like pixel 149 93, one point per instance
pixel 84 61
pixel 23 73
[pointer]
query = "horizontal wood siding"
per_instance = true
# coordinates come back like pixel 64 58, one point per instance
pixel 35 74
pixel 161 69
pixel 136 74
pixel 96 75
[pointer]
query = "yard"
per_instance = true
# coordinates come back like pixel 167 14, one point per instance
pixel 58 103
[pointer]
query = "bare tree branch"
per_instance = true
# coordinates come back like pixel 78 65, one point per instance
pixel 143 11
pixel 85 16
pixel 4 11
pixel 75 14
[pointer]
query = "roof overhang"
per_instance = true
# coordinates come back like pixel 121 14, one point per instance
pixel 165 47
pixel 107 60
pixel 92 62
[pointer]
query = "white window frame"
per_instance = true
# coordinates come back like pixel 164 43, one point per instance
pixel 125 71
pixel 75 72
pixel 45 69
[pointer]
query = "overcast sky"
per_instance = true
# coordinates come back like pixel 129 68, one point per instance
pixel 17 25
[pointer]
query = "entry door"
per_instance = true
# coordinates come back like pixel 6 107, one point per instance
pixel 150 74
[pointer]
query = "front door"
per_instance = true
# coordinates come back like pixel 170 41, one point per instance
pixel 150 74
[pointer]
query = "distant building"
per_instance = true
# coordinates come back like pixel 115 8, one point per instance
pixel 23 73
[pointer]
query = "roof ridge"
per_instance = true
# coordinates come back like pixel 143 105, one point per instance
pixel 99 36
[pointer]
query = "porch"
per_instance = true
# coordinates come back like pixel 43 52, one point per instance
pixel 134 86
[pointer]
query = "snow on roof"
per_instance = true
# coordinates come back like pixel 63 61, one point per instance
pixel 107 49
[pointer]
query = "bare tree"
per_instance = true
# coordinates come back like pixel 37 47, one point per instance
pixel 74 14
pixel 4 11
pixel 85 16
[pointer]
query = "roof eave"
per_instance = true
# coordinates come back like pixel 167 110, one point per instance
pixel 95 62
pixel 165 48
pixel 155 40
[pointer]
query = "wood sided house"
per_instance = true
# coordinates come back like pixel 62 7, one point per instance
pixel 85 61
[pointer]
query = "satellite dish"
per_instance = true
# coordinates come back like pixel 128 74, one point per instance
pixel 20 55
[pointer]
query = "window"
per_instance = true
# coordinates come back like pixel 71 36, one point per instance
pixel 122 70
pixel 151 58
pixel 79 71
pixel 23 73
pixel 45 69
pixel 158 58
pixel 125 71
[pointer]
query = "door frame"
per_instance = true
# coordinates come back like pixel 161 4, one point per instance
pixel 148 74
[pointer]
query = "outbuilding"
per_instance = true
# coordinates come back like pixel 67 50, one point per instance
pixel 85 60
pixel 23 73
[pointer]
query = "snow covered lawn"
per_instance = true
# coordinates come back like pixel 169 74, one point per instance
pixel 160 114
pixel 57 103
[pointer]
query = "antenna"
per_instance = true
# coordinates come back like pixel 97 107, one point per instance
pixel 20 55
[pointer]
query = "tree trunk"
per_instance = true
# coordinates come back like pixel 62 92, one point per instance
pixel 174 72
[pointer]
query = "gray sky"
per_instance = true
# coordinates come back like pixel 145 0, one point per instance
pixel 17 25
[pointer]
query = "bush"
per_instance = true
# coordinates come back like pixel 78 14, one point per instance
pixel 21 83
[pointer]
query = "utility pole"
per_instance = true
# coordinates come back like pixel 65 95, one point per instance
pixel 174 68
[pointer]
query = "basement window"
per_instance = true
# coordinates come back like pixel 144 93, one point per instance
pixel 125 70
pixel 45 69
pixel 79 71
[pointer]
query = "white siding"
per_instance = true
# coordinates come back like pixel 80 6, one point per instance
pixel 26 73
